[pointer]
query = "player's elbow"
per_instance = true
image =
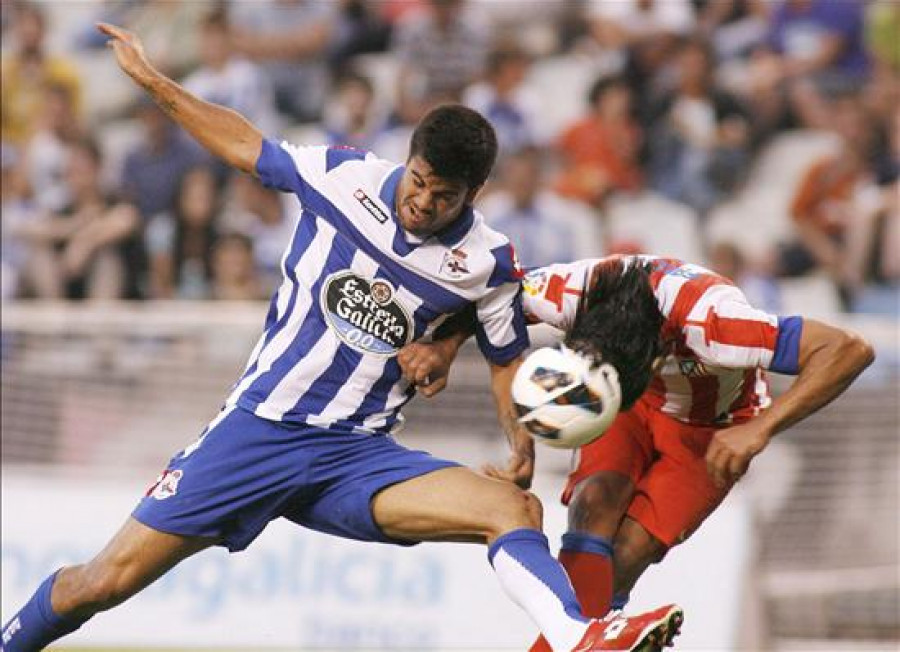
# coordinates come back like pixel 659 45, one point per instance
pixel 856 350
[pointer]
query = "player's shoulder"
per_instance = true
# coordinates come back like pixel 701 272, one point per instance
pixel 490 252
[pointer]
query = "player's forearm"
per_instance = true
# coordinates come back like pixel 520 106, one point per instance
pixel 223 132
pixel 501 385
pixel 830 360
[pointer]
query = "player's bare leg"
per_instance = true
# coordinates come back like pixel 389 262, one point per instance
pixel 135 557
pixel 458 504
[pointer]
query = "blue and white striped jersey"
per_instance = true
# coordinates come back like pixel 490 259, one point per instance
pixel 357 288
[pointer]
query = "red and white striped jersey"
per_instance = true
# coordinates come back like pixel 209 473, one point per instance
pixel 717 344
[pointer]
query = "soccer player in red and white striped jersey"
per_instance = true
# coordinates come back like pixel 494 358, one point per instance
pixel 692 356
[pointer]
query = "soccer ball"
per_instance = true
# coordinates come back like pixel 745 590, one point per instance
pixel 563 398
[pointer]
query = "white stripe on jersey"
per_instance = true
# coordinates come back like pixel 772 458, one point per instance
pixel 667 292
pixel 312 259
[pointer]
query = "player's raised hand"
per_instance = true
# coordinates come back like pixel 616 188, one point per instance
pixel 129 52
pixel 519 470
pixel 732 449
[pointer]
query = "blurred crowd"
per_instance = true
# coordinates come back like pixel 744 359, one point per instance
pixel 676 102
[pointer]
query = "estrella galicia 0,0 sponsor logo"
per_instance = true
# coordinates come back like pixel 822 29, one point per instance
pixel 365 313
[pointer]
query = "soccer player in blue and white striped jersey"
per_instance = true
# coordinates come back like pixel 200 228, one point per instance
pixel 380 254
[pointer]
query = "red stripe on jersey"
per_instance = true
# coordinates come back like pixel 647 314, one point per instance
pixel 705 394
pixel 737 332
pixel 688 296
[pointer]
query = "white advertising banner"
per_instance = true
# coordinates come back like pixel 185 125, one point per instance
pixel 298 589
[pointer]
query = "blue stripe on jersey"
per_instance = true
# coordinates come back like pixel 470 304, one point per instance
pixel 504 354
pixel 309 333
pixel 276 169
pixel 335 156
pixel 328 384
pixel 377 397
pixel 304 233
pixel 505 269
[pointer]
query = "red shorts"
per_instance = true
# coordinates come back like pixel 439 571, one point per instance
pixel 665 460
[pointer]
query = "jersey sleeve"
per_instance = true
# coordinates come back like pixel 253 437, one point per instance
pixel 724 330
pixel 551 295
pixel 501 331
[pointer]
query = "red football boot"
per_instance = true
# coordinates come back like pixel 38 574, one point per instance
pixel 646 632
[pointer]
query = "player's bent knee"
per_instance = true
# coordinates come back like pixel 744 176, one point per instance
pixel 600 502
pixel 518 509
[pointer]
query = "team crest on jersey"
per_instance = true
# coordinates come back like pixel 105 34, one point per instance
pixel 454 264
pixel 534 283
pixel 373 208
pixel 365 313
pixel 166 485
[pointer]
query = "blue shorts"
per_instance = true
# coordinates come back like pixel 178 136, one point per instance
pixel 246 471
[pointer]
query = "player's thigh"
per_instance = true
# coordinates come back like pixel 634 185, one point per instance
pixel 599 502
pixel 626 449
pixel 676 494
pixel 134 558
pixel 454 504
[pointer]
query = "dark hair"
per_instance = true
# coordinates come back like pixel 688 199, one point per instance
pixel 619 320
pixel 457 142
pixel 603 85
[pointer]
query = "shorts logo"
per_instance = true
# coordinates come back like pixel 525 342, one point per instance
pixel 534 283
pixel 365 313
pixel 166 485
pixel 373 208
pixel 454 264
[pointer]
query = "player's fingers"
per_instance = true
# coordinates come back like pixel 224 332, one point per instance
pixel 716 465
pixel 113 31
pixel 434 387
pixel 737 467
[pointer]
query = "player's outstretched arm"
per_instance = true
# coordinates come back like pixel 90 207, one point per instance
pixel 225 133
pixel 829 360
pixel 520 467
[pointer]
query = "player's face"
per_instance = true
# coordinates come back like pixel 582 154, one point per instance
pixel 427 203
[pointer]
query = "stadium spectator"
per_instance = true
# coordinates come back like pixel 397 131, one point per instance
pixel 360 29
pixel 513 109
pixel 154 167
pixel 47 151
pixel 231 80
pixel 700 142
pixel 290 40
pixel 86 250
pixel 644 33
pixel 179 244
pixel 16 211
pixel 734 27
pixel 27 70
pixel 833 193
pixel 267 217
pixel 234 274
pixel 441 50
pixel 815 51
pixel 543 226
pixel 351 118
pixel 599 152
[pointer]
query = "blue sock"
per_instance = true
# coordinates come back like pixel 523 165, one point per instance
pixel 537 582
pixel 37 625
